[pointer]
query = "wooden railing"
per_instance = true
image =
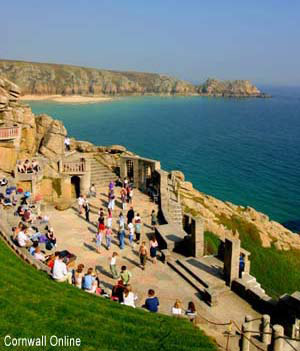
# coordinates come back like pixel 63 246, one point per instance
pixel 8 133
pixel 73 167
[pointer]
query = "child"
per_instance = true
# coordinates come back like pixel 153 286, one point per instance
pixel 113 266
pixel 131 232
pixel 108 234
pixel 98 241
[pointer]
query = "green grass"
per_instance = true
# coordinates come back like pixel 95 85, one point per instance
pixel 212 243
pixel 32 305
pixel 277 271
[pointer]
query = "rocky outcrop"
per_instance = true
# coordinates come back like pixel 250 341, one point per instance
pixel 217 214
pixel 237 88
pixel 51 79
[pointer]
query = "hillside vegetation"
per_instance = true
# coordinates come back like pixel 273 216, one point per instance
pixel 33 305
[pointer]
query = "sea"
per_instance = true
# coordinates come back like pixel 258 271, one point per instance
pixel 246 151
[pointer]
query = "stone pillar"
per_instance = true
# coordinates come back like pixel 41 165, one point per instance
pixel 265 329
pixel 246 333
pixel 66 188
pixel 123 168
pixel 136 177
pixel 278 341
pixel 247 264
pixel 231 260
pixel 197 231
pixel 85 180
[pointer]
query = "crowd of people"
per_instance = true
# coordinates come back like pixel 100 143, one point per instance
pixel 35 234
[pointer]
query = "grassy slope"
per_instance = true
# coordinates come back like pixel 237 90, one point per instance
pixel 32 305
pixel 277 271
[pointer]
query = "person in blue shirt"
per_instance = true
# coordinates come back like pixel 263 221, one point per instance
pixel 89 281
pixel 152 302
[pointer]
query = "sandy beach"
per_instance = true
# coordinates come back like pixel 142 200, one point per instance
pixel 66 99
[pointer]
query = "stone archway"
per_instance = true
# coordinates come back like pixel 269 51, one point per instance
pixel 75 186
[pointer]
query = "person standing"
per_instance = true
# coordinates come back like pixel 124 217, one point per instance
pixel 80 203
pixel 121 222
pixel 130 195
pixel 138 228
pixel 113 265
pixel 123 198
pixel 67 143
pixel 131 233
pixel 86 207
pixel 130 215
pixel 108 235
pixel 101 225
pixel 153 248
pixel 109 219
pixel 98 241
pixel 153 219
pixel 125 275
pixel 143 253
pixel 122 238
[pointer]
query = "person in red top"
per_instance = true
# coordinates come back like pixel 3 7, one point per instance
pixel 50 263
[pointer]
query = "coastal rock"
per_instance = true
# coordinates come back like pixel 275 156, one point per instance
pixel 51 79
pixel 178 175
pixel 116 149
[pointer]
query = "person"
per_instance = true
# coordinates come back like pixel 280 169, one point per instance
pixel 123 199
pixel 125 182
pixel 130 195
pixel 121 222
pixel 35 166
pixel 80 203
pixel 22 238
pixel 51 239
pixel 117 292
pixel 138 228
pixel 111 185
pixel 131 232
pixel 122 238
pixel 191 312
pixel 20 167
pixel 27 166
pixel 143 253
pixel 113 265
pixel 33 247
pixel 153 219
pixel 52 259
pixel 111 202
pixel 109 219
pixel 93 192
pixel 3 182
pixel 67 143
pixel 86 207
pixel 98 241
pixel 38 255
pixel 108 236
pixel 153 248
pixel 130 215
pixel 60 272
pixel 101 224
pixel 78 276
pixel 177 309
pixel 89 281
pixel 152 302
pixel 125 275
pixel 27 216
pixel 129 297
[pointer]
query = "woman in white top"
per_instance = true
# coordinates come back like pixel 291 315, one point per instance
pixel 129 297
pixel 177 309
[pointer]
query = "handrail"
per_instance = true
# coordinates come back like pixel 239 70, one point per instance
pixel 73 166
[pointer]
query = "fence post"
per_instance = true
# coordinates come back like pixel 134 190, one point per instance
pixel 246 333
pixel 265 329
pixel 278 333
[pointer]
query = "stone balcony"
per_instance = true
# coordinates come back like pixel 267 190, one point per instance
pixel 9 133
pixel 73 167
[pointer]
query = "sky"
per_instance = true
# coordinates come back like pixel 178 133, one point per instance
pixel 192 40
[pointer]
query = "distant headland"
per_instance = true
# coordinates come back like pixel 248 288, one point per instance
pixel 58 79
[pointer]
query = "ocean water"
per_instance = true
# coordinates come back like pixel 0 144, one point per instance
pixel 246 151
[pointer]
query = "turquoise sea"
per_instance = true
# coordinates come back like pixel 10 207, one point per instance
pixel 246 151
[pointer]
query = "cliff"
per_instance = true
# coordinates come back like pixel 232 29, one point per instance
pixel 51 79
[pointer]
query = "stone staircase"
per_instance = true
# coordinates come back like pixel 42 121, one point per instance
pixel 175 209
pixel 252 284
pixel 209 286
pixel 100 174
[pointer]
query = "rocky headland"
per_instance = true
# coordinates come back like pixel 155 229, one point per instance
pixel 58 79
pixel 42 136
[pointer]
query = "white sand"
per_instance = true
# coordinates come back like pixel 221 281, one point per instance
pixel 66 99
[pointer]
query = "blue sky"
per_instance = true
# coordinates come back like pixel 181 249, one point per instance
pixel 193 40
